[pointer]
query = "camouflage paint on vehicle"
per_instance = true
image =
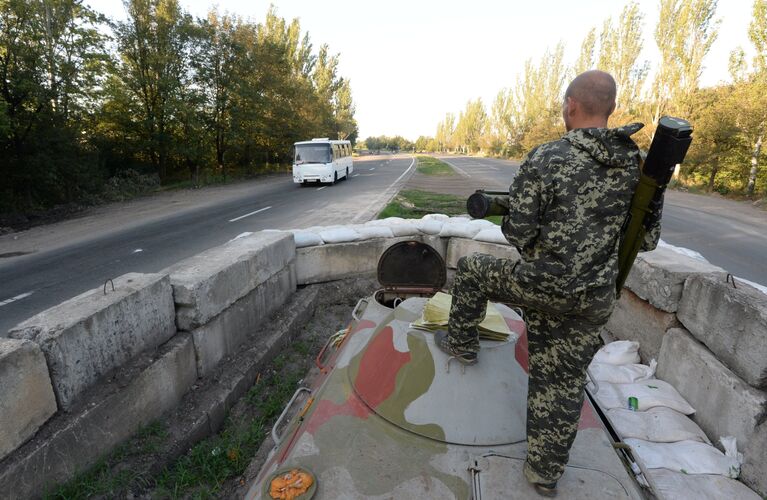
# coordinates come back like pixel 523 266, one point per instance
pixel 389 421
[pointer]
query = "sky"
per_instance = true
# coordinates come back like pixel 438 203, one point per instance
pixel 412 61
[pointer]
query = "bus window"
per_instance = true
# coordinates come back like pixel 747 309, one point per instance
pixel 312 153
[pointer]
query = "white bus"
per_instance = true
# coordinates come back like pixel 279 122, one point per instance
pixel 322 160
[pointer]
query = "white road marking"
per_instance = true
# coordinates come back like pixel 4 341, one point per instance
pixel 320 189
pixel 373 168
pixel 389 191
pixel 14 299
pixel 355 175
pixel 494 168
pixel 138 250
pixel 249 214
pixel 458 169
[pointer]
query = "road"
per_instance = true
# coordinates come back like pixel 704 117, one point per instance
pixel 729 234
pixel 44 266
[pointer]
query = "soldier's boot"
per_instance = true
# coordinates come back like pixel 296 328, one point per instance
pixel 442 341
pixel 546 490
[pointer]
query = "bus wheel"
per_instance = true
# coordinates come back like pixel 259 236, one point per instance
pixel 335 178
pixel 346 177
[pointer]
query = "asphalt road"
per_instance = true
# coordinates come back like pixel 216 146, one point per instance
pixel 66 259
pixel 729 234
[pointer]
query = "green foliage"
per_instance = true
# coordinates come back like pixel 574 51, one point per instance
pixel 432 166
pixel 383 142
pixel 173 97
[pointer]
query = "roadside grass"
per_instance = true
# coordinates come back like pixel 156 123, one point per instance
pixel 203 470
pixel 106 476
pixel 432 166
pixel 414 204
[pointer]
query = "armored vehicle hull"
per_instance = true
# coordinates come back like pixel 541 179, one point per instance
pixel 390 416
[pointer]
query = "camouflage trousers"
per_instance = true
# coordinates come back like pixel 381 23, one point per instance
pixel 562 335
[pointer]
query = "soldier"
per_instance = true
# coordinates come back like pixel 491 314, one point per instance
pixel 567 205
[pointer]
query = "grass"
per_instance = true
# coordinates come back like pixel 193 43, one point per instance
pixel 432 166
pixel 414 204
pixel 201 472
pixel 106 477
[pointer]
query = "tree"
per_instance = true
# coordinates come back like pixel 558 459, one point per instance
pixel 619 50
pixel 685 32
pixel 154 49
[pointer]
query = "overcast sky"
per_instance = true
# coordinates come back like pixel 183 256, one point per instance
pixel 411 61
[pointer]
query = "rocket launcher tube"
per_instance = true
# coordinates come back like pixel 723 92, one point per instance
pixel 483 204
pixel 669 146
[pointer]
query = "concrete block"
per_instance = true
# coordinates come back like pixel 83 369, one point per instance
pixel 658 276
pixel 458 247
pixel 336 261
pixel 209 282
pixel 26 395
pixel 93 333
pixel 74 442
pixel 732 322
pixel 222 335
pixel 636 319
pixel 725 405
pixel 755 461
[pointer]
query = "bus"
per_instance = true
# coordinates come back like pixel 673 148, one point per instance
pixel 322 160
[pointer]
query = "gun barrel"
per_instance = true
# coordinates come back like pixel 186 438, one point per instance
pixel 482 204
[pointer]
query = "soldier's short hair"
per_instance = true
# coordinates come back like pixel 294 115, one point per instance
pixel 595 90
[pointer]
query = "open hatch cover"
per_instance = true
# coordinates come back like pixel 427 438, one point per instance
pixel 411 265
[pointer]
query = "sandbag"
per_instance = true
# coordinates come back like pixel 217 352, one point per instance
pixel 367 232
pixel 429 226
pixel 649 394
pixel 459 230
pixel 404 229
pixel 622 374
pixel 385 222
pixel 483 223
pixel 437 217
pixel 339 235
pixel 659 424
pixel 620 352
pixel 689 457
pixel 491 235
pixel 307 239
pixel 671 485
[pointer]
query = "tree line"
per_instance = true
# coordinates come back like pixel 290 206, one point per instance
pixel 729 118
pixel 89 104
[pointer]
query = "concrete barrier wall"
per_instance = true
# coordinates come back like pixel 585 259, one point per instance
pixel 99 330
pixel 708 338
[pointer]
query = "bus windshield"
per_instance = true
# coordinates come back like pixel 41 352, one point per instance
pixel 312 153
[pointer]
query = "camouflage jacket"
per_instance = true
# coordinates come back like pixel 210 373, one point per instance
pixel 568 204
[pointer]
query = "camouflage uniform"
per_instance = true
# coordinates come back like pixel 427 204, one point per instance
pixel 567 205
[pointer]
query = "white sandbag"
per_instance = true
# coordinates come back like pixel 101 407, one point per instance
pixel 367 232
pixel 491 235
pixel 670 485
pixel 458 229
pixel 620 352
pixel 649 394
pixel 429 226
pixel 437 217
pixel 483 224
pixel 339 235
pixel 385 222
pixel 404 229
pixel 307 239
pixel 689 457
pixel 622 374
pixel 659 424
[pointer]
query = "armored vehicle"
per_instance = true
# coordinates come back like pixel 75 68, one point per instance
pixel 389 416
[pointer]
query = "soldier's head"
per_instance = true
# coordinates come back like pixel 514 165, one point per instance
pixel 589 100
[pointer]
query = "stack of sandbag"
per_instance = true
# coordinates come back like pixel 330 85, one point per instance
pixel 653 419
